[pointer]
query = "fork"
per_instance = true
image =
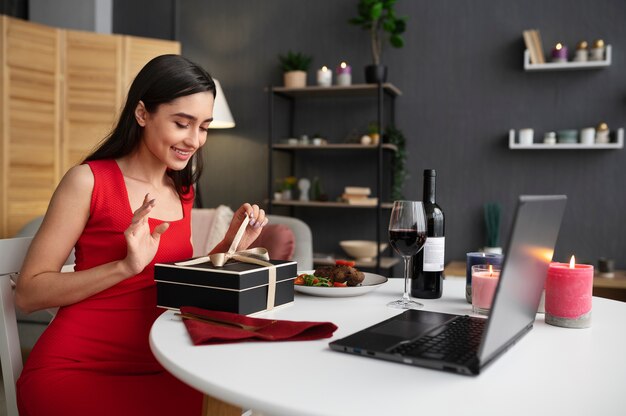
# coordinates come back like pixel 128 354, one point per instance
pixel 223 322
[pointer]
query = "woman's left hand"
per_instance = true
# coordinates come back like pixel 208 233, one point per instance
pixel 258 220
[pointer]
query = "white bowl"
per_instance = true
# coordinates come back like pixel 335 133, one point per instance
pixel 362 250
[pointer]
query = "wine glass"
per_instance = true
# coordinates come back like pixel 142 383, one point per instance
pixel 407 235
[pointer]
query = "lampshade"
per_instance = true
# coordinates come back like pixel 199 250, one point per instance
pixel 222 117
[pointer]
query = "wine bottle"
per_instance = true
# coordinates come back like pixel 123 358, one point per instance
pixel 427 277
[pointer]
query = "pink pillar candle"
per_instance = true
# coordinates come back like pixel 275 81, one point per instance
pixel 569 288
pixel 484 283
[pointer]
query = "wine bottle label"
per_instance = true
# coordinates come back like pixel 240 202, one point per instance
pixel 434 252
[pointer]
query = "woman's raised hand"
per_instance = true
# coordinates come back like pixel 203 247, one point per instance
pixel 141 244
pixel 258 220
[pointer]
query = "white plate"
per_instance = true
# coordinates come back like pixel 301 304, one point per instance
pixel 371 282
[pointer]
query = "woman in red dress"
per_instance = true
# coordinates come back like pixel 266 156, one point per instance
pixel 127 207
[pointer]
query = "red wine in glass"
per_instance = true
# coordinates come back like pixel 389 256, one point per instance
pixel 407 235
pixel 407 242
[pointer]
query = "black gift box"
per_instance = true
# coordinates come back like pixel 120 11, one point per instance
pixel 235 287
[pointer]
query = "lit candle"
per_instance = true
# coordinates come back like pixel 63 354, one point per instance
pixel 324 77
pixel 473 259
pixel 344 74
pixel 484 283
pixel 559 53
pixel 569 289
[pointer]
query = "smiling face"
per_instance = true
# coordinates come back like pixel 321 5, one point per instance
pixel 176 130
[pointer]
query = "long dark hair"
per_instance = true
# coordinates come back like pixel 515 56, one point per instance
pixel 160 81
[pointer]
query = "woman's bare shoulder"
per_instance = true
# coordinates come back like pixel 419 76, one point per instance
pixel 78 178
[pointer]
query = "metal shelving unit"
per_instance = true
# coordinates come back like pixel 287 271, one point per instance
pixel 378 92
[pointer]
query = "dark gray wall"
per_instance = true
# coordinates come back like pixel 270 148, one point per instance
pixel 463 89
pixel 149 18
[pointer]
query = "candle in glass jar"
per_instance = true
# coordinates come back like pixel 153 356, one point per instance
pixel 559 53
pixel 569 288
pixel 344 74
pixel 324 77
pixel 484 282
pixel 475 258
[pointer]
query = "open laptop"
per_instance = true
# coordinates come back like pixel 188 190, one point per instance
pixel 465 344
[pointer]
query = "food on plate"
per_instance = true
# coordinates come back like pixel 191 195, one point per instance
pixel 343 273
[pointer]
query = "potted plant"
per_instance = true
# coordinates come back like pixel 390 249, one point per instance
pixel 373 133
pixel 492 228
pixel 378 16
pixel 294 66
pixel 395 136
pixel 287 186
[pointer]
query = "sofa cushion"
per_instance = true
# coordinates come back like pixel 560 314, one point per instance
pixel 279 241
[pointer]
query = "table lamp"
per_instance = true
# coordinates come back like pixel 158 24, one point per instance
pixel 222 119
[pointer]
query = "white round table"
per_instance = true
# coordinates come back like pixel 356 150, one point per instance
pixel 550 371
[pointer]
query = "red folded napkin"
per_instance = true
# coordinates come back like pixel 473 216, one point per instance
pixel 205 333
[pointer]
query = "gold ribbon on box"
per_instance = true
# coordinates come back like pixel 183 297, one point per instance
pixel 257 255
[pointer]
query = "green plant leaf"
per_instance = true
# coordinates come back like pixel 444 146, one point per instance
pixel 400 25
pixel 294 61
pixel 376 11
pixel 396 137
pixel 376 16
pixel 396 41
pixel 389 25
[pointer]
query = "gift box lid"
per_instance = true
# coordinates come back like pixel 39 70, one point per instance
pixel 233 275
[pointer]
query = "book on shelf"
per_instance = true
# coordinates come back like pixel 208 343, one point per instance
pixel 367 201
pixel 357 190
pixel 353 196
pixel 532 40
pixel 538 47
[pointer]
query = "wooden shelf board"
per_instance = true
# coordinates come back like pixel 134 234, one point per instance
pixel 335 146
pixel 320 204
pixel 355 90
pixel 560 66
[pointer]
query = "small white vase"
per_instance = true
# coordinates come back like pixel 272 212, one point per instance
pixel 286 195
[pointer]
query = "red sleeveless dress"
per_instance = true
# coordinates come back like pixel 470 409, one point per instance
pixel 94 358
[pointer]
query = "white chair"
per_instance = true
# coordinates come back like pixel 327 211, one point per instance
pixel 12 253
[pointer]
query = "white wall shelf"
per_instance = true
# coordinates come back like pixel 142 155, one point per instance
pixel 560 66
pixel 615 145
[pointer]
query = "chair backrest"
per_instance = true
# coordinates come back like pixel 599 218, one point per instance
pixel 12 253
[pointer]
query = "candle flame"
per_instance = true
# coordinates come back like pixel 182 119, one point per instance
pixel 558 47
pixel 490 270
pixel 343 65
pixel 324 68
pixel 572 263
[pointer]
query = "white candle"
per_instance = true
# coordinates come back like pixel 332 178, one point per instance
pixel 324 77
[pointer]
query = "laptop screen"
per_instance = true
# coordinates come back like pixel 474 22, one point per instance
pixel 529 252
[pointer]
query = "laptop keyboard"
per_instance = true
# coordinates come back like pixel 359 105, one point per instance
pixel 457 343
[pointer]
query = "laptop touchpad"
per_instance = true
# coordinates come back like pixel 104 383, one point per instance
pixel 412 324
